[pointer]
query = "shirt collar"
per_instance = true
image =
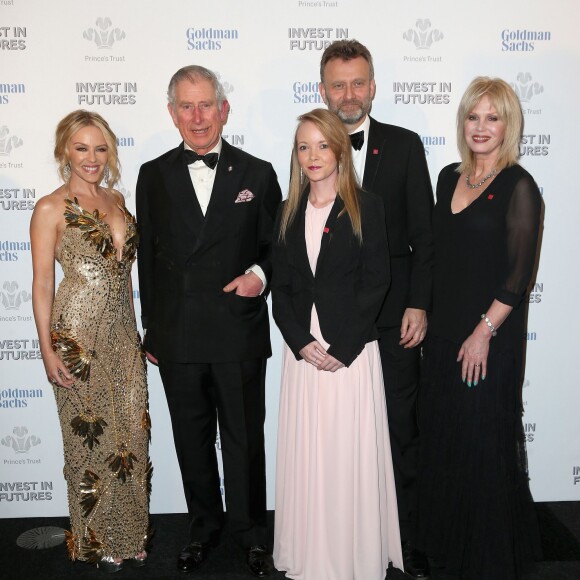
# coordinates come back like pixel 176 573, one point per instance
pixel 365 126
pixel 217 148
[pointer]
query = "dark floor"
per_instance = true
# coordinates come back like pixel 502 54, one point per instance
pixel 559 526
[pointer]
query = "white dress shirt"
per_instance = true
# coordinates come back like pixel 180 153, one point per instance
pixel 359 157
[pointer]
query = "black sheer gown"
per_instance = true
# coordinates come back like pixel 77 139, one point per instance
pixel 476 514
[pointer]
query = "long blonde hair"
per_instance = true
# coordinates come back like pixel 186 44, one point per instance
pixel 509 110
pixel 333 130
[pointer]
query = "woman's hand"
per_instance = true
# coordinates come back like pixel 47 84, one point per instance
pixel 473 353
pixel 56 371
pixel 316 355
pixel 330 364
pixel 313 353
pixel 474 350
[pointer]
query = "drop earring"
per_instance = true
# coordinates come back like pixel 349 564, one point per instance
pixel 66 172
pixel 106 174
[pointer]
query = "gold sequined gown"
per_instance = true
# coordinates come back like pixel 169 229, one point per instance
pixel 104 417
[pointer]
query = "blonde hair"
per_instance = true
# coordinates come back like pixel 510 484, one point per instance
pixel 72 123
pixel 333 130
pixel 509 110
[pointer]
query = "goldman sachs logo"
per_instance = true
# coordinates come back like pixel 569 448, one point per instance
pixel 523 40
pixel 209 38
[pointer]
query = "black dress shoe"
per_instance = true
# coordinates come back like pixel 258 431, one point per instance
pixel 192 557
pixel 416 564
pixel 260 562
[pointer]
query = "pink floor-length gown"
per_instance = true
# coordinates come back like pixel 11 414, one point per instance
pixel 336 506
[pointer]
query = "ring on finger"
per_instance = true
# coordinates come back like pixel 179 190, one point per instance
pixel 478 365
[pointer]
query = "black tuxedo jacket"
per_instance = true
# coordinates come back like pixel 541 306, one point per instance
pixel 396 170
pixel 348 287
pixel 186 258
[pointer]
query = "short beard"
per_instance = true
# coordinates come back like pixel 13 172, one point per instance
pixel 351 119
pixel 354 118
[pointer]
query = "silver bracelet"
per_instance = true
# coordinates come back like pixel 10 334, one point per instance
pixel 489 323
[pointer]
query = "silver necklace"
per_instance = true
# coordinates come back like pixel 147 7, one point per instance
pixel 476 185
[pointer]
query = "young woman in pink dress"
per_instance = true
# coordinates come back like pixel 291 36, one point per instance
pixel 336 508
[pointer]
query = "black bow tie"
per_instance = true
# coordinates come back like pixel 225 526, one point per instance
pixel 357 139
pixel 210 159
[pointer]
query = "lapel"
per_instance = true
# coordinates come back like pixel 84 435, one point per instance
pixel 180 191
pixel 331 226
pixel 299 233
pixel 226 186
pixel 375 153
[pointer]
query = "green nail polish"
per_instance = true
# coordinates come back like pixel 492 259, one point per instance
pixel 469 383
pixel 463 381
pixel 475 383
pixel 483 377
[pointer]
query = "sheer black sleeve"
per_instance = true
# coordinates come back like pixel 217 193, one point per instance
pixel 522 228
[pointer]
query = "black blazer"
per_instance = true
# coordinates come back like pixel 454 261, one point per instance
pixel 185 259
pixel 349 285
pixel 396 170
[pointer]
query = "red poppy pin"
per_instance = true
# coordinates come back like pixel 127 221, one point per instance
pixel 375 151
pixel 326 230
pixel 490 196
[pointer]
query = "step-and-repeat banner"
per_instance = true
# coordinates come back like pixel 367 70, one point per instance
pixel 116 58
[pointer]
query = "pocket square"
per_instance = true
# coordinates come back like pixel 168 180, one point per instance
pixel 244 195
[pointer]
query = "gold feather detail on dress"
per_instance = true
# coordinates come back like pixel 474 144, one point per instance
pixel 71 545
pixel 146 421
pixel 92 226
pixel 132 241
pixel 89 427
pixel 90 489
pixel 92 548
pixel 148 477
pixel 121 463
pixel 74 356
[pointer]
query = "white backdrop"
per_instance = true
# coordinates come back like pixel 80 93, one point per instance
pixel 117 58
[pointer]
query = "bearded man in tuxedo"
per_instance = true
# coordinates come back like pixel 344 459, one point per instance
pixel 390 161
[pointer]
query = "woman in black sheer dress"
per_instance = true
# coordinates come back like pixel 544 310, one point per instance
pixel 476 515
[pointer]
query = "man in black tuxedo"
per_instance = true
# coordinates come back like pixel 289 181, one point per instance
pixel 206 211
pixel 390 161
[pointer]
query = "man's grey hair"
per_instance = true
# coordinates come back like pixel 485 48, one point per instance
pixel 194 73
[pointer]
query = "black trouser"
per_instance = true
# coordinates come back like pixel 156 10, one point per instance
pixel 401 375
pixel 198 395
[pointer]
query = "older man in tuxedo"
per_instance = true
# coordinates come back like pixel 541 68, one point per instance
pixel 390 161
pixel 205 211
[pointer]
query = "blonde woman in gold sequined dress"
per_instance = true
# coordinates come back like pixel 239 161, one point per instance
pixel 90 346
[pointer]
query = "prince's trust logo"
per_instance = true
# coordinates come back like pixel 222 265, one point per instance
pixel 20 441
pixel 11 297
pixel 104 35
pixel 8 142
pixel 526 90
pixel 423 36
